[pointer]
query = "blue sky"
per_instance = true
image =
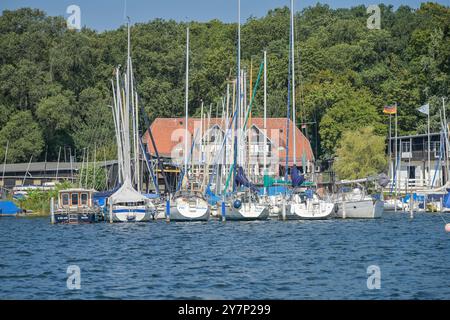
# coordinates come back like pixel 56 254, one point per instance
pixel 109 14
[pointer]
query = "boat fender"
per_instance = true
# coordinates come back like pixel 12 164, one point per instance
pixel 447 227
pixel 237 203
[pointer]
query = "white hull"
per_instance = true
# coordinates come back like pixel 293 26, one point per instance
pixel 247 212
pixel 132 213
pixel 311 210
pixel 389 205
pixel 192 209
pixel 360 209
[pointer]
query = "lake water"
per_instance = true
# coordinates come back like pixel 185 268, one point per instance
pixel 232 260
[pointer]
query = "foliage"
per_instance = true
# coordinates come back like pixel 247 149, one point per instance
pixel 38 201
pixel 58 80
pixel 361 153
pixel 93 177
pixel 25 137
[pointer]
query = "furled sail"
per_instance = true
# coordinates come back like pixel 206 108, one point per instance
pixel 242 180
pixel 296 177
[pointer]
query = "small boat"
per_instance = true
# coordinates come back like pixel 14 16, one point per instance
pixel 307 205
pixel 75 206
pixel 189 206
pixel 356 204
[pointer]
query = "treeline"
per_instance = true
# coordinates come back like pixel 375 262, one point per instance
pixel 55 83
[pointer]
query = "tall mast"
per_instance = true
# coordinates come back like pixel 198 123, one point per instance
pixel 293 83
pixel 238 88
pixel 265 111
pixel 186 104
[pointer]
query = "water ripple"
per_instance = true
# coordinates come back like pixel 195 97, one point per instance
pixel 215 260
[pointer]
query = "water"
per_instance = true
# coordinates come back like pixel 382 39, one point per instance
pixel 233 260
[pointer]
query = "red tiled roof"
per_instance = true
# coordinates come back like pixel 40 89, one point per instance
pixel 163 129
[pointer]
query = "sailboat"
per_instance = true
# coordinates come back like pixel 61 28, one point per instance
pixel 186 204
pixel 303 203
pixel 127 204
pixel 242 204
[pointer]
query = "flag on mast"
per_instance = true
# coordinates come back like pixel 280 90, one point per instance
pixel 390 109
pixel 425 109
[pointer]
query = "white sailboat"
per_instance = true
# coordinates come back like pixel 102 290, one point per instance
pixel 242 205
pixel 187 205
pixel 301 205
pixel 127 204
pixel 356 203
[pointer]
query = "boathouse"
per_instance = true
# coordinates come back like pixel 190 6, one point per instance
pixel 416 165
pixel 205 139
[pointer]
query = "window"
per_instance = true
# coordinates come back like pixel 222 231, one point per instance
pixel 406 146
pixel 65 199
pixel 84 199
pixel 74 199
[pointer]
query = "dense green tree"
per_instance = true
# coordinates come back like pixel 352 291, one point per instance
pixel 345 73
pixel 24 136
pixel 361 153
pixel 349 113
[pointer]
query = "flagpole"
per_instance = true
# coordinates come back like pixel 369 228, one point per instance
pixel 390 147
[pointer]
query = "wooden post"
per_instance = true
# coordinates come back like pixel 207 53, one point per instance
pixel 411 206
pixel 168 209
pixel 344 213
pixel 283 212
pixel 52 210
pixel 110 213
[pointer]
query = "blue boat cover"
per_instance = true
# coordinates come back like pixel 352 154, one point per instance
pixel 274 190
pixel 446 201
pixel 9 207
pixel 242 180
pixel 211 196
pixel 296 177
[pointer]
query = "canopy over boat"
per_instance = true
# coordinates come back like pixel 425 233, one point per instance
pixel 127 193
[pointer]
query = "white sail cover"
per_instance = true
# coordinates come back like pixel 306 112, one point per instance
pixel 127 193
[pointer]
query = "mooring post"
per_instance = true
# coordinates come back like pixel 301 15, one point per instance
pixel 283 211
pixel 223 211
pixel 52 210
pixel 344 213
pixel 411 206
pixel 110 213
pixel 168 209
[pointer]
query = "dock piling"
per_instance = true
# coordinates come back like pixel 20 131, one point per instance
pixel 52 210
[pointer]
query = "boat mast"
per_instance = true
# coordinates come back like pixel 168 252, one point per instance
pixel 238 94
pixel 265 112
pixel 186 105
pixel 293 84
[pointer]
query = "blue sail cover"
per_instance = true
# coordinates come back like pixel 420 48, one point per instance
pixel 446 201
pixel 211 196
pixel 242 180
pixel 296 177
